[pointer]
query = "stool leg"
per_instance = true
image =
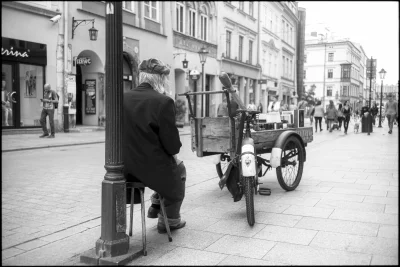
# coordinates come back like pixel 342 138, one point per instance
pixel 131 213
pixel 143 222
pixel 165 218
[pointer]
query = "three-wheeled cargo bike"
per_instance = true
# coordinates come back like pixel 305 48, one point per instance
pixel 240 140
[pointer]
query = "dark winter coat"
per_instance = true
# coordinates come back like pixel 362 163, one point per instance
pixel 150 139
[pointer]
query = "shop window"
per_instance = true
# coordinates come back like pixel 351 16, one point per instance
pixel 31 91
pixel 128 6
pixel 180 17
pixel 151 10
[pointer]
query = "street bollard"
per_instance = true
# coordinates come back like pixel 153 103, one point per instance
pixel 66 118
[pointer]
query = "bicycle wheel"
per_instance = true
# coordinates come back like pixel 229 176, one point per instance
pixel 248 192
pixel 292 161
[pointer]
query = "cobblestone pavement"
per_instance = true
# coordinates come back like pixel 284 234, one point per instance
pixel 344 212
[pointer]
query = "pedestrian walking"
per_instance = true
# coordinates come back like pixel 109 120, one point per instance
pixel 49 99
pixel 346 111
pixel 151 142
pixel 391 111
pixel 374 112
pixel 340 116
pixel 311 115
pixel 318 114
pixel 331 114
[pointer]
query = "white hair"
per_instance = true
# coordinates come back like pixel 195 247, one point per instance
pixel 160 83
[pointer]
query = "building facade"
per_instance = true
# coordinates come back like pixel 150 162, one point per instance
pixel 335 70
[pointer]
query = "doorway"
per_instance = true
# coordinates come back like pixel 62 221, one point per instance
pixel 78 95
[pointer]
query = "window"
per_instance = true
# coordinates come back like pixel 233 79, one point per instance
pixel 287 67
pixel 304 74
pixel 291 36
pixel 270 21
pixel 330 73
pixel 287 33
pixel 305 58
pixel 276 24
pixel 265 16
pixel 330 57
pixel 345 91
pixel 251 8
pixel 346 72
pixel 192 23
pixel 283 29
pixel 151 10
pixel 204 26
pixel 283 66
pixel 127 5
pixel 329 91
pixel 263 60
pixel 241 5
pixel 291 69
pixel 179 17
pixel 240 48
pixel 228 44
pixel 250 52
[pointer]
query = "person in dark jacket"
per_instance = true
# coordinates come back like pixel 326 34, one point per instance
pixel 151 142
pixel 374 112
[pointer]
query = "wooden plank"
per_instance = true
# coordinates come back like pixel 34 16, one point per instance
pixel 266 139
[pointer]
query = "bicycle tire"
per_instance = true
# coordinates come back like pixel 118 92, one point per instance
pixel 249 196
pixel 292 144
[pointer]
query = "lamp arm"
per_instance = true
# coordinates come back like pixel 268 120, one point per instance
pixel 77 22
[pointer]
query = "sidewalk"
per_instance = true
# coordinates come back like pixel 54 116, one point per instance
pixel 344 212
pixel 32 141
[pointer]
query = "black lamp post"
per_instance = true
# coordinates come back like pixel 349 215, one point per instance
pixel 203 57
pixel 382 75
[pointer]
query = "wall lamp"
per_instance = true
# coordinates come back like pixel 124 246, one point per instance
pixel 92 31
pixel 185 63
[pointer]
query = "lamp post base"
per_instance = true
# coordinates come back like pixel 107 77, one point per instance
pixel 89 257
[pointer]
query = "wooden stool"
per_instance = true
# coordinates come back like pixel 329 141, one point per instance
pixel 141 187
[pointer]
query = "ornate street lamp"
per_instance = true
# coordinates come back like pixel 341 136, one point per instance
pixel 92 31
pixel 382 75
pixel 203 57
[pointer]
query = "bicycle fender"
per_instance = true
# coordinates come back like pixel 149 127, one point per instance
pixel 276 152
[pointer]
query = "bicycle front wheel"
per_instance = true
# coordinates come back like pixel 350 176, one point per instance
pixel 249 195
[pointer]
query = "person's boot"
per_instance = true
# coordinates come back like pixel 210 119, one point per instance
pixel 153 211
pixel 43 135
pixel 174 224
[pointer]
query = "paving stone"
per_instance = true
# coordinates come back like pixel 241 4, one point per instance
pixel 381 200
pixel 305 255
pixel 355 243
pixel 63 234
pixel 383 260
pixel 268 207
pixel 389 231
pixel 298 201
pixel 286 234
pixel 392 209
pixel 187 256
pixel 32 244
pixel 392 194
pixel 348 205
pixel 359 192
pixel 363 216
pixel 235 227
pixel 354 198
pixel 338 226
pixel 243 261
pixel 241 246
pixel 10 252
pixel 277 219
pixel 308 211
pixel 385 188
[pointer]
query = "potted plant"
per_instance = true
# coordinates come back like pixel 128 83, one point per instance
pixel 180 107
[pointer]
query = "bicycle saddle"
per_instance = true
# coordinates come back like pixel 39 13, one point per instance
pixel 251 112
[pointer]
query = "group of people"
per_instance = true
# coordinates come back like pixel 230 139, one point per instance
pixel 336 117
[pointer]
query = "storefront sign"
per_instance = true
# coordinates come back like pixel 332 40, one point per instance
pixel 83 61
pixel 23 51
pixel 90 96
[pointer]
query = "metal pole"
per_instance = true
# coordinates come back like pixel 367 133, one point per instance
pixel 202 88
pixel 370 84
pixel 380 107
pixel 113 245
